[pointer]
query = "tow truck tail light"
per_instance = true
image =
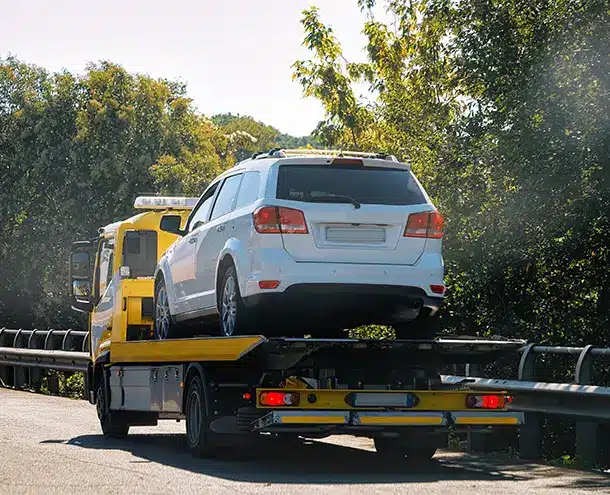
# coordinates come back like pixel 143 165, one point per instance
pixel 279 220
pixel 279 399
pixel 487 401
pixel 425 224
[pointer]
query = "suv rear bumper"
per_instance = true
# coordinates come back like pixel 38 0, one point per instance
pixel 332 294
pixel 348 304
pixel 276 264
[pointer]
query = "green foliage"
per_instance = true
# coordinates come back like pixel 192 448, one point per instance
pixel 63 384
pixel 247 136
pixel 501 108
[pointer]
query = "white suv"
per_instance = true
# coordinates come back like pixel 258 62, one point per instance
pixel 295 242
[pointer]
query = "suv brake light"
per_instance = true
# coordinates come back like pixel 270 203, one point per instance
pixel 425 224
pixel 279 220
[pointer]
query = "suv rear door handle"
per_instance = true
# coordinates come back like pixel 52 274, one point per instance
pixel 220 228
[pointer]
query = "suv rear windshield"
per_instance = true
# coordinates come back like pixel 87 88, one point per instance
pixel 366 185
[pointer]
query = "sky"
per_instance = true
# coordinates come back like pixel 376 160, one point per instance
pixel 234 55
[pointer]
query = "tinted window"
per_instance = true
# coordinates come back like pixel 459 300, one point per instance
pixel 381 186
pixel 248 190
pixel 226 196
pixel 140 252
pixel 201 213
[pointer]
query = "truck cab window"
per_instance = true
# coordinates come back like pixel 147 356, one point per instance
pixel 106 265
pixel 140 252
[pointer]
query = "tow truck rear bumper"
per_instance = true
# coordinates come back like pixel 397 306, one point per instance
pixel 277 420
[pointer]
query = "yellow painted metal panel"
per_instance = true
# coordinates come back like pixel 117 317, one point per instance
pixel 313 419
pixel 197 349
pixel 336 399
pixel 403 420
pixel 487 420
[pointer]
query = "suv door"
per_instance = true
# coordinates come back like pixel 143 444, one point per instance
pixel 211 245
pixel 182 263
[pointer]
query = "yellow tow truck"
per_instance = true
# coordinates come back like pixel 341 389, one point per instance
pixel 231 389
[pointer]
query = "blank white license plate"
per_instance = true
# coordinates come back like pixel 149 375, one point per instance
pixel 351 235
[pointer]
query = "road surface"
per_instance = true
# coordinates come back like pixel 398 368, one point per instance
pixel 53 445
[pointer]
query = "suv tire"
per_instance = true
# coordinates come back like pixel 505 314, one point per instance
pixel 163 325
pixel 235 318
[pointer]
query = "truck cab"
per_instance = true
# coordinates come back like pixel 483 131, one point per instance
pixel 111 276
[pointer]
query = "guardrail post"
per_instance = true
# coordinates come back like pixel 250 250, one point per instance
pixel 35 342
pixel 530 434
pixel 5 371
pixel 587 432
pixel 20 374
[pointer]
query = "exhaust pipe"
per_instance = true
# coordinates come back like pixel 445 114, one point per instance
pixel 417 304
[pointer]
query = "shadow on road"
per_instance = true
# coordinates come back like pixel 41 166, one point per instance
pixel 298 462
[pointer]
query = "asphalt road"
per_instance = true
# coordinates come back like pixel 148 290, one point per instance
pixel 53 445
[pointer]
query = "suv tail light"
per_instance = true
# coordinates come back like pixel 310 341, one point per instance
pixel 279 220
pixel 425 224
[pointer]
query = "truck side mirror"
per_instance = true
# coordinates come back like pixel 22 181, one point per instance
pixel 171 224
pixel 80 276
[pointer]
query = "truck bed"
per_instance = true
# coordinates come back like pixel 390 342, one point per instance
pixel 284 353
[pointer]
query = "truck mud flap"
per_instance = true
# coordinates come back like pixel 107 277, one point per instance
pixel 289 419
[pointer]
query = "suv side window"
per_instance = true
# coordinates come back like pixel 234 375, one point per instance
pixel 200 214
pixel 226 196
pixel 248 190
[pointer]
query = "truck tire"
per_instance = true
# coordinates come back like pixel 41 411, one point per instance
pixel 199 437
pixel 235 318
pixel 163 324
pixel 113 426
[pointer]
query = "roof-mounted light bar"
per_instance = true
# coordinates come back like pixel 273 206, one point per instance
pixel 284 153
pixel 164 203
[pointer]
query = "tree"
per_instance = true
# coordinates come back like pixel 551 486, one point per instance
pixel 75 153
pixel 501 108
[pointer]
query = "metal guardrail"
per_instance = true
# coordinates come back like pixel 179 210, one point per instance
pixel 582 401
pixel 24 354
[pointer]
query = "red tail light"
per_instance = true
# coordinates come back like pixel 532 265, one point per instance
pixel 425 224
pixel 279 399
pixel 279 220
pixel 486 401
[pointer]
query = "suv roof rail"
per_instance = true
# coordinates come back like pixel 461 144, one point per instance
pixel 284 153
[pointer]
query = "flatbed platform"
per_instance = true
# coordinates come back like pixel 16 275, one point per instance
pixel 284 353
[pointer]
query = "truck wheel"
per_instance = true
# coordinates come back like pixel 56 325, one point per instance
pixel 235 319
pixel 163 326
pixel 199 438
pixel 111 423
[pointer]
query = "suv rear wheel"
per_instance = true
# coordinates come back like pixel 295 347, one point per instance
pixel 235 318
pixel 163 326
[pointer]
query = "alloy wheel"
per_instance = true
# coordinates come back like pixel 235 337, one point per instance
pixel 162 316
pixel 228 309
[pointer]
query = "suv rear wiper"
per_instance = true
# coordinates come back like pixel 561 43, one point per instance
pixel 337 198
